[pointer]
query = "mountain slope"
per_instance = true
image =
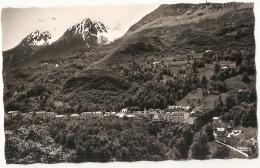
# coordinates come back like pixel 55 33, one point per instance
pixel 185 29
pixel 178 14
pixel 137 59
pixel 86 34
pixel 88 31
pixel 28 46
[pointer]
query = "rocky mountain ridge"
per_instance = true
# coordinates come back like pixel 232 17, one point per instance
pixel 37 46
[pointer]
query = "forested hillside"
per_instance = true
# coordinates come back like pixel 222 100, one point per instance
pixel 196 55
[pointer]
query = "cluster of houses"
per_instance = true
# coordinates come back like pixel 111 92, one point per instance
pixel 225 65
pixel 225 133
pixel 44 114
pixel 175 114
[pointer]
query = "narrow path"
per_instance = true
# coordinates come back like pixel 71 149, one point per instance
pixel 231 147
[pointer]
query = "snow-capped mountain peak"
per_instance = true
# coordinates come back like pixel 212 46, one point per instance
pixel 92 32
pixel 37 39
pixel 88 28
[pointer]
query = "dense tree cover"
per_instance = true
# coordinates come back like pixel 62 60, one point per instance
pixel 99 140
pixel 245 77
pixel 217 87
pixel 209 132
pixel 253 151
pixel 224 74
pixel 95 80
pixel 199 148
pixel 204 82
pixel 72 89
pixel 244 114
pixel 240 108
pixel 244 59
pixel 217 67
pixel 217 80
pixel 123 140
pixel 178 137
pixel 222 152
pixel 31 144
pixel 183 143
pixel 110 140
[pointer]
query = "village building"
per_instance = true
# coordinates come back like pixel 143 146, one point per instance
pixel 8 133
pixel 107 114
pixel 12 114
pixel 86 115
pixel 110 114
pixel 224 68
pixel 167 113
pixel 253 141
pixel 124 110
pixel 50 114
pixel 178 108
pixel 130 117
pixel 75 116
pixel 113 113
pixel 215 119
pixel 226 65
pixel 31 115
pixel 61 117
pixel 98 114
pixel 166 117
pixel 190 117
pixel 216 122
pixel 235 138
pixel 40 114
pixel 177 117
pixel 89 114
pixel 197 56
pixel 138 114
pixel 156 63
pixel 220 134
pixel 208 51
pixel 24 116
pixel 156 117
pixel 83 116
pixel 120 115
pixel 151 113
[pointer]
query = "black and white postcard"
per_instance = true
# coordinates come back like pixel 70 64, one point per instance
pixel 129 82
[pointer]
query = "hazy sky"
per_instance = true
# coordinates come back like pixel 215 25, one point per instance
pixel 17 23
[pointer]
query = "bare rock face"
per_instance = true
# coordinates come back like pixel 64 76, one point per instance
pixel 36 39
pixel 91 32
pixel 37 45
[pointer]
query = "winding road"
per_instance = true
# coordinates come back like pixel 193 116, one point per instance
pixel 231 147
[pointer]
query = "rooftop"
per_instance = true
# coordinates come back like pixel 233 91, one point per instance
pixel 220 129
pixel 59 116
pixel 10 112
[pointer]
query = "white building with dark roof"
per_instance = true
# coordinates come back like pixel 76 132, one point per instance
pixel 124 110
pixel 75 116
pixel 12 114
pixel 61 116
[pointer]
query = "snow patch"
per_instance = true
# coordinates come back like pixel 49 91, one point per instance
pixel 37 39
pixel 87 29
